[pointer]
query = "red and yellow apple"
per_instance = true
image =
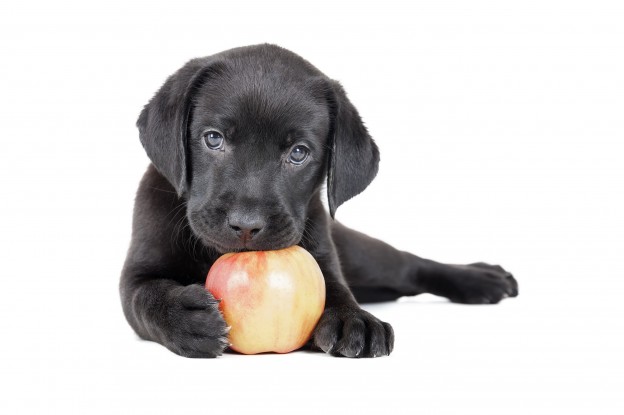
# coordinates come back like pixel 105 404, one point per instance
pixel 272 300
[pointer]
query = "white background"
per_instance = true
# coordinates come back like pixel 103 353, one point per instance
pixel 501 132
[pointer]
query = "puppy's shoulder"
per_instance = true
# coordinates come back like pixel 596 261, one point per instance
pixel 155 199
pixel 154 187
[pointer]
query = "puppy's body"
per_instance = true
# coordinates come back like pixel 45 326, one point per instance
pixel 241 143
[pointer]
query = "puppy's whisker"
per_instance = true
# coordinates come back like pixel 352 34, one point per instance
pixel 175 211
pixel 180 226
pixel 162 190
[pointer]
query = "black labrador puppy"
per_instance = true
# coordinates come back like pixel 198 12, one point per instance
pixel 241 144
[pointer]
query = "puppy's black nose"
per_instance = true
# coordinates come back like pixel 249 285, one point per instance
pixel 246 226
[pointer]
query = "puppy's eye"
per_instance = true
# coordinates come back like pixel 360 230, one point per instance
pixel 298 155
pixel 213 139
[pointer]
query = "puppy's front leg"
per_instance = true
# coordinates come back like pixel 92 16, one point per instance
pixel 161 292
pixel 344 329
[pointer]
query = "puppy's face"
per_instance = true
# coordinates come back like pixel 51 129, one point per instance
pixel 257 155
pixel 247 136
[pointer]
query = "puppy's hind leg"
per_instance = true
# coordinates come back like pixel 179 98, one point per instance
pixel 375 272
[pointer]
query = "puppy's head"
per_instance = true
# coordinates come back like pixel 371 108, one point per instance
pixel 248 137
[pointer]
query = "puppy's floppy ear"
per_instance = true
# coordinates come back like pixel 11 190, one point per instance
pixel 354 157
pixel 163 123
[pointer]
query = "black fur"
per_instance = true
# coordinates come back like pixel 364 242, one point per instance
pixel 196 202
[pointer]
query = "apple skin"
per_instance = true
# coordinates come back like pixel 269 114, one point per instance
pixel 272 300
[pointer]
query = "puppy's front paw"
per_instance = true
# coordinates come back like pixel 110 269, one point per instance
pixel 353 332
pixel 195 325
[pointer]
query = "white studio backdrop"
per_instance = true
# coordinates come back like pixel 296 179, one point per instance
pixel 501 131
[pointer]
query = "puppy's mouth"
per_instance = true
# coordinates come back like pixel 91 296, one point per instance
pixel 246 247
pixel 265 244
